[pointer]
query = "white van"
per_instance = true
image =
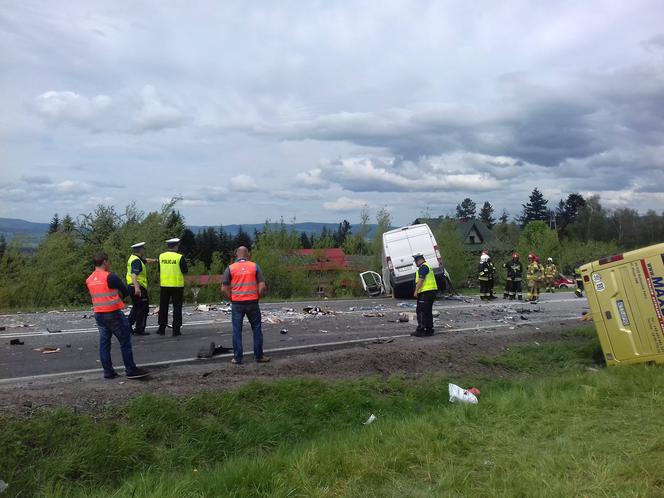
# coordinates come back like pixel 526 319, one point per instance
pixel 398 266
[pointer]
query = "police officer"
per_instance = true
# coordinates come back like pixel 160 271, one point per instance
pixel 484 276
pixel 534 276
pixel 514 275
pixel 425 292
pixel 137 281
pixel 172 267
pixel 550 274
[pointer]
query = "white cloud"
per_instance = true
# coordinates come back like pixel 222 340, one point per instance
pixel 156 114
pixel 71 107
pixel 344 204
pixel 243 183
pixel 311 179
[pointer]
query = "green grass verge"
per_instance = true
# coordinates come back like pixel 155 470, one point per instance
pixel 555 430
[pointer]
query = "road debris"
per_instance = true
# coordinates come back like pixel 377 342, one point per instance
pixel 212 350
pixel 47 350
pixel 53 331
pixel 383 340
pixel 374 314
pixel 3 328
pixel 458 394
pixel 407 317
pixel 372 418
pixel 315 310
pixel 273 320
pixel 283 331
pixel 205 307
pixel 16 342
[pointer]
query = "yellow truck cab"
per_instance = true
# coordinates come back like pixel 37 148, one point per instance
pixel 626 297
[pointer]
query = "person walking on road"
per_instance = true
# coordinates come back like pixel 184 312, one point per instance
pixel 137 280
pixel 514 276
pixel 172 268
pixel 107 291
pixel 425 292
pixel 244 285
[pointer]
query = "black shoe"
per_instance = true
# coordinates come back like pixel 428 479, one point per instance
pixel 138 373
pixel 176 334
pixel 161 332
pixel 142 332
pixel 428 333
pixel 417 333
pixel 111 376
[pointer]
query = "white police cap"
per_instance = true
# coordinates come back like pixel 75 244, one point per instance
pixel 173 241
pixel 138 245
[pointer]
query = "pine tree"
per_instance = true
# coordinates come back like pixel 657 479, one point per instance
pixel 466 210
pixel 573 205
pixel 242 238
pixel 305 242
pixel 68 224
pixel 504 218
pixel 54 226
pixel 486 214
pixel 342 232
pixel 535 209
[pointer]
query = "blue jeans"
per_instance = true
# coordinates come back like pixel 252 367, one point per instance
pixel 253 313
pixel 110 324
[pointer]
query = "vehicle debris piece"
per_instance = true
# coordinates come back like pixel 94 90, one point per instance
pixel 53 331
pixel 460 395
pixel 47 350
pixel 273 320
pixel 372 418
pixel 407 317
pixel 315 310
pixel 212 350
pixel 3 328
pixel 283 331
pixel 374 314
pixel 205 307
pixel 16 342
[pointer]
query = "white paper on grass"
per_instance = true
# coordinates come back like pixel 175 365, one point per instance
pixel 372 418
pixel 459 394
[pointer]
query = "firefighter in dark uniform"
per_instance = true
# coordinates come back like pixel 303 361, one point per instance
pixel 578 292
pixel 492 277
pixel 484 276
pixel 514 277
pixel 426 289
pixel 172 268
pixel 137 282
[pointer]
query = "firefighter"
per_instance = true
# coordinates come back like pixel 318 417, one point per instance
pixel 492 277
pixel 484 276
pixel 550 274
pixel 578 292
pixel 534 277
pixel 514 274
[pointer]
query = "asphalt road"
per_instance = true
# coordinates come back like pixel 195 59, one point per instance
pixel 77 337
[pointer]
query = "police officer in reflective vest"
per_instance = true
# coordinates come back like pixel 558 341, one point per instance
pixel 425 292
pixel 172 268
pixel 137 281
pixel 243 284
pixel 107 291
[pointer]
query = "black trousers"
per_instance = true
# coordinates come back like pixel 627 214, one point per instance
pixel 424 310
pixel 168 294
pixel 138 316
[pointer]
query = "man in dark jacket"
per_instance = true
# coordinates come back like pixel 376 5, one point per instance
pixel 514 276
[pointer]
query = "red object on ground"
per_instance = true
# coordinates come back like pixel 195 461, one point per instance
pixel 475 391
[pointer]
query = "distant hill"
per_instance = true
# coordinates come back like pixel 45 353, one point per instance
pixel 32 232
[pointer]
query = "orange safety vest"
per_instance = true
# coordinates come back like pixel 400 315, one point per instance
pixel 104 299
pixel 244 285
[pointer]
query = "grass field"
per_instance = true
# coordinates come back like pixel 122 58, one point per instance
pixel 552 427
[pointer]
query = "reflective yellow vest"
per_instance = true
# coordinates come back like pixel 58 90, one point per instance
pixel 170 274
pixel 141 278
pixel 429 281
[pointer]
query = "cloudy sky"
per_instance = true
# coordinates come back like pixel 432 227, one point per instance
pixel 311 110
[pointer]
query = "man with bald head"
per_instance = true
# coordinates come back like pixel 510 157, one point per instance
pixel 244 285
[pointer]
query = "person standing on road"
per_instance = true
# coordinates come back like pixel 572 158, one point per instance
pixel 534 276
pixel 550 274
pixel 137 280
pixel 107 291
pixel 484 276
pixel 578 292
pixel 425 292
pixel 172 268
pixel 514 275
pixel 244 285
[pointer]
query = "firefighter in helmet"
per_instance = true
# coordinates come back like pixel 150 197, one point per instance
pixel 514 275
pixel 550 274
pixel 534 277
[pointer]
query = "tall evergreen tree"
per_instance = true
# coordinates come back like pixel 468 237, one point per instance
pixel 573 205
pixel 305 241
pixel 243 238
pixel 535 209
pixel 68 225
pixel 504 218
pixel 486 214
pixel 54 226
pixel 342 232
pixel 466 210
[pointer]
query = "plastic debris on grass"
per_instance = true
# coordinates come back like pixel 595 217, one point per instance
pixel 372 418
pixel 460 395
pixel 3 486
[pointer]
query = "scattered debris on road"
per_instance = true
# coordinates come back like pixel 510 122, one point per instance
pixel 374 314
pixel 212 350
pixel 16 342
pixel 48 350
pixel 315 310
pixel 283 331
pixel 407 317
pixel 53 331
pixel 273 320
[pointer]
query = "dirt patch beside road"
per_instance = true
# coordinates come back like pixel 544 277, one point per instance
pixel 454 353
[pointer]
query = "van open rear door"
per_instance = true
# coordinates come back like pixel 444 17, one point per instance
pixel 626 297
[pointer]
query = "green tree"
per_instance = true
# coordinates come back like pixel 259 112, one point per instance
pixel 538 238
pixel 535 209
pixel 343 231
pixel 54 226
pixel 455 258
pixel 466 210
pixel 486 215
pixel 68 225
pixel 383 224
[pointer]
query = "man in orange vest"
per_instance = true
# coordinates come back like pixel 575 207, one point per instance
pixel 107 291
pixel 243 284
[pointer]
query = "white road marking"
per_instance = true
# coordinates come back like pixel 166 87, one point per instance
pixel 273 350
